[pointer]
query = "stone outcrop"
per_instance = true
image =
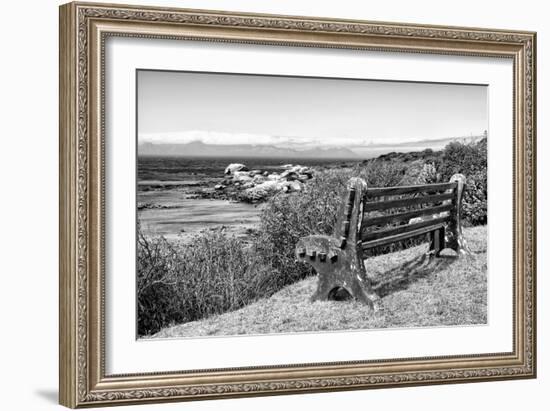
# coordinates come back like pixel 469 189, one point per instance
pixel 256 185
pixel 233 167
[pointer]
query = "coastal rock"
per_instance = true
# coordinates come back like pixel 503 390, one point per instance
pixel 291 186
pixel 257 185
pixel 241 177
pixel 289 175
pixel 258 179
pixel 231 168
pixel 298 169
pixel 296 186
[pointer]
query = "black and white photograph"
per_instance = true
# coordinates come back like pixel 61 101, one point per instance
pixel 274 204
pixel 264 201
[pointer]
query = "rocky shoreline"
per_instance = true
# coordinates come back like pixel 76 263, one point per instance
pixel 238 183
pixel 242 184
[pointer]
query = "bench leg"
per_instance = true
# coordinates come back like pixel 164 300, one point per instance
pixel 362 291
pixel 324 287
pixel 437 241
pixel 338 259
pixel 336 268
pixel 441 246
pixel 455 239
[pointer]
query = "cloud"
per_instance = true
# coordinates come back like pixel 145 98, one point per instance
pixel 297 143
pixel 221 138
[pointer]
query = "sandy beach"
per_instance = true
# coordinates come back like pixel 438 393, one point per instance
pixel 177 214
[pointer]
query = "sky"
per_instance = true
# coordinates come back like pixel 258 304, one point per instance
pixel 302 113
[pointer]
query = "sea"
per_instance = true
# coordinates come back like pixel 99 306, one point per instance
pixel 169 203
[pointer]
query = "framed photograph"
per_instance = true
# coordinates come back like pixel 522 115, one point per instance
pixel 260 204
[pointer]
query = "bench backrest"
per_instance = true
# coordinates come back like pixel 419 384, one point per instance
pixel 373 217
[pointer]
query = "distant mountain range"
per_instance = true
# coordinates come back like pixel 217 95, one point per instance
pixel 200 149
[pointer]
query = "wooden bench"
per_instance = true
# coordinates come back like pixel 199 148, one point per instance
pixel 373 217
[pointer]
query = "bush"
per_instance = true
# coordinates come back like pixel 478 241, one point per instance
pixel 178 283
pixel 474 202
pixel 463 158
pixel 287 217
pixel 378 173
pixel 471 161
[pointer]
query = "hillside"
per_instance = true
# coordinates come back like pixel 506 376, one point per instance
pixel 428 154
pixel 414 289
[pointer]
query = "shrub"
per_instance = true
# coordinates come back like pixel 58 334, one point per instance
pixel 419 172
pixel 463 158
pixel 378 173
pixel 470 160
pixel 178 283
pixel 157 304
pixel 474 203
pixel 287 217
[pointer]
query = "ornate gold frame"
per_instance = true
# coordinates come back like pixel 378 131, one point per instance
pixel 83 30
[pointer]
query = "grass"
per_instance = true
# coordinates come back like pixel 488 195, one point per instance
pixel 415 291
pixel 179 282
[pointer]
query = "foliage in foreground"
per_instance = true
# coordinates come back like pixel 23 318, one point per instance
pixel 415 291
pixel 180 283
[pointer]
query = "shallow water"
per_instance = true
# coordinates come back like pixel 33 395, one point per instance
pixel 183 217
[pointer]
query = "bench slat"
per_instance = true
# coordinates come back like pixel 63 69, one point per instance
pixel 374 235
pixel 394 218
pixel 391 191
pixel 400 237
pixel 406 202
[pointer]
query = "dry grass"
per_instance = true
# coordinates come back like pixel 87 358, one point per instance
pixel 415 291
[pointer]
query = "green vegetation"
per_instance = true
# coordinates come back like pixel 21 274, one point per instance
pixel 216 273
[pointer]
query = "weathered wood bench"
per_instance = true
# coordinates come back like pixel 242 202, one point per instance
pixel 373 217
